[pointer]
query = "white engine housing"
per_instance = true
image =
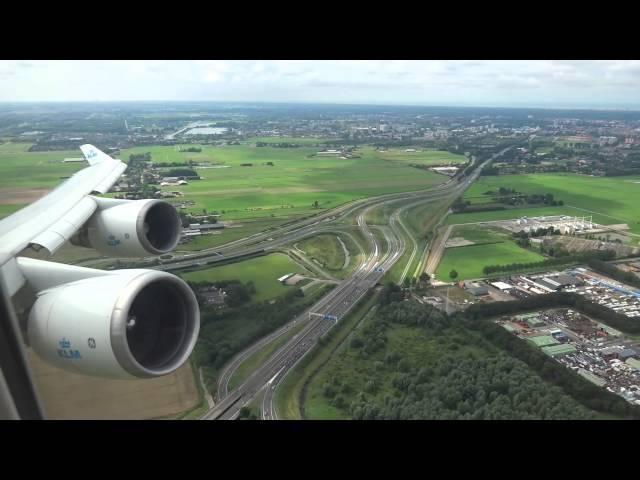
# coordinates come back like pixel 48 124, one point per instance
pixel 85 326
pixel 131 228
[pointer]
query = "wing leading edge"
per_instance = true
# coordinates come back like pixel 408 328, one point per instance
pixel 53 219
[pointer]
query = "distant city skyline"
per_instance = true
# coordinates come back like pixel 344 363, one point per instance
pixel 610 84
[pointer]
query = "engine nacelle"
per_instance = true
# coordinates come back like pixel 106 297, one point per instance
pixel 125 324
pixel 134 228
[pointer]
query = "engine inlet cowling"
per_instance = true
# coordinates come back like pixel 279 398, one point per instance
pixel 158 227
pixel 135 228
pixel 125 324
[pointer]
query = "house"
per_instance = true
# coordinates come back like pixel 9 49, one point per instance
pixel 213 296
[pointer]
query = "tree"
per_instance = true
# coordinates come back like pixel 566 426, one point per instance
pixel 453 274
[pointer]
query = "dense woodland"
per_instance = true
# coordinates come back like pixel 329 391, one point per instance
pixel 458 367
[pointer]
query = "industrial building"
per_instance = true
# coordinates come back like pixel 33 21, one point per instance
pixel 283 278
pixel 558 350
pixel 580 344
pixel 543 340
pixel 567 225
pixel 599 381
pixel 531 319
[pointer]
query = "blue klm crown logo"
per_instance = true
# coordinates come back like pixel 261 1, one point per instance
pixel 65 350
pixel 112 241
pixel 91 154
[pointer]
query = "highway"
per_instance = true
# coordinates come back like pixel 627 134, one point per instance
pixel 293 230
pixel 282 236
pixel 396 247
pixel 333 306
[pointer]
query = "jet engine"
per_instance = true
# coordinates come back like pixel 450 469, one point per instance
pixel 121 324
pixel 131 228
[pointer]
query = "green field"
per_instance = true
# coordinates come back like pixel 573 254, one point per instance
pixel 325 249
pixel 22 170
pixel 288 188
pixel 419 157
pixel 469 260
pixel 481 235
pixel 292 185
pixel 609 199
pixel 19 167
pixel 262 271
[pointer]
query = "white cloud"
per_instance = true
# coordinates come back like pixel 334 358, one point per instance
pixel 360 81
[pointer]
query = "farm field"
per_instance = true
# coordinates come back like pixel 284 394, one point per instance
pixel 98 398
pixel 262 271
pixel 281 192
pixel 26 176
pixel 480 235
pixel 469 260
pixel 292 185
pixel 611 199
pixel 420 156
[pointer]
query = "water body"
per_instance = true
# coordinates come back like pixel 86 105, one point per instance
pixel 206 131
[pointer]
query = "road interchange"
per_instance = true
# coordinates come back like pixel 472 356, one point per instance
pixel 334 305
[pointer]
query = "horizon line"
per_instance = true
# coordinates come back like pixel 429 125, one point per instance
pixel 607 107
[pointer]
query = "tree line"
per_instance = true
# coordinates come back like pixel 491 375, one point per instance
pixel 572 300
pixel 549 262
pixel 614 272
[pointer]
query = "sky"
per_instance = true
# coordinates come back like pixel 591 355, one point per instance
pixel 528 83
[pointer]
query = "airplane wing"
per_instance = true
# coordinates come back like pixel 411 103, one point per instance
pixel 125 324
pixel 52 220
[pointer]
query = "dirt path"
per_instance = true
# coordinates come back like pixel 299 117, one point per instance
pixel 346 253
